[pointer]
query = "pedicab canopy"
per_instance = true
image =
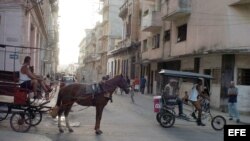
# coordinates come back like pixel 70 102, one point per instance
pixel 182 74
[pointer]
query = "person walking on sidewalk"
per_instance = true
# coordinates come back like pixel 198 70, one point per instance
pixel 142 84
pixel 232 102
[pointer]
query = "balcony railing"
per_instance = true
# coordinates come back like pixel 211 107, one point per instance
pixel 124 43
pixel 239 2
pixel 152 21
pixel 124 9
pixel 177 9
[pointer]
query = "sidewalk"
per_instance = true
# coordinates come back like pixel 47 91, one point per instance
pixel 244 119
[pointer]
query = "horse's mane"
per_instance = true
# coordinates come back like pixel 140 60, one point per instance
pixel 111 83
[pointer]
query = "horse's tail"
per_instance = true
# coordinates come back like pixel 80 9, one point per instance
pixel 54 110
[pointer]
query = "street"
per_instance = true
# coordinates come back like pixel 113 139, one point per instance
pixel 122 121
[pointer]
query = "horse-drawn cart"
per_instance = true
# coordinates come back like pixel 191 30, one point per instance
pixel 25 112
pixel 14 100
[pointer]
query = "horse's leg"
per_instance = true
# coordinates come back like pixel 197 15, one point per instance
pixel 59 121
pixel 66 113
pixel 99 110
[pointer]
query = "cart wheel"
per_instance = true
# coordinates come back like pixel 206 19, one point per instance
pixel 18 122
pixel 4 111
pixel 167 120
pixel 35 116
pixel 218 122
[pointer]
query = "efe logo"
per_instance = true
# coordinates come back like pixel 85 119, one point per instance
pixel 241 132
pixel 236 132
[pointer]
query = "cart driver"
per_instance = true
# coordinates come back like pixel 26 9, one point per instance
pixel 29 80
pixel 171 90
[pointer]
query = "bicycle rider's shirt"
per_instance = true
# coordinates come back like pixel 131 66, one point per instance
pixel 23 77
pixel 194 93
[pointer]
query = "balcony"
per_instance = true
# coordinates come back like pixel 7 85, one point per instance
pixel 152 21
pixel 122 46
pixel 124 10
pixel 177 9
pixel 239 2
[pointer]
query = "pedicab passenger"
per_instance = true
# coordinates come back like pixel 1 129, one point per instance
pixel 171 91
pixel 29 80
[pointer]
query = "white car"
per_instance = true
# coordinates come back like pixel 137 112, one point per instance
pixel 68 80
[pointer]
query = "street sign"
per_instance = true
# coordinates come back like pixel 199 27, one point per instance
pixel 13 56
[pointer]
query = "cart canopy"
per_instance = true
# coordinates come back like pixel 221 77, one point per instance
pixel 182 74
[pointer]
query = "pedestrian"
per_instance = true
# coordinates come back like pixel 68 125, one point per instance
pixel 136 84
pixel 232 102
pixel 133 89
pixel 142 84
pixel 128 81
pixel 132 94
pixel 185 98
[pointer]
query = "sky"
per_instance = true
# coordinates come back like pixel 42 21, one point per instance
pixel 74 17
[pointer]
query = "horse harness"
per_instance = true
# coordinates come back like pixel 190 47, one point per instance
pixel 93 90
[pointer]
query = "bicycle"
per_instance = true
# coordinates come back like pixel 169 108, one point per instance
pixel 166 117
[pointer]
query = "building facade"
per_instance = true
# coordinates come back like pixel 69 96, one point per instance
pixel 111 31
pixel 195 38
pixel 125 56
pixel 208 37
pixel 25 30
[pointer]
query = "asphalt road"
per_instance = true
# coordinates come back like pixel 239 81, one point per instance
pixel 122 121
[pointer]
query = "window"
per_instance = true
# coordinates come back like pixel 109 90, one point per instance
pixel 182 33
pixel 145 42
pixel 156 41
pixel 243 77
pixel 140 16
pixel 129 26
pixel 216 74
pixel 166 35
pixel 145 13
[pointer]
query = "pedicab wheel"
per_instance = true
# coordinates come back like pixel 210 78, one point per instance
pixel 167 120
pixel 4 111
pixel 218 122
pixel 35 116
pixel 18 122
pixel 158 116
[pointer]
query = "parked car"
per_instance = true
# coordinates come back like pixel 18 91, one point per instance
pixel 67 80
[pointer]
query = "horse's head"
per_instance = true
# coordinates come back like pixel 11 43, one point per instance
pixel 122 83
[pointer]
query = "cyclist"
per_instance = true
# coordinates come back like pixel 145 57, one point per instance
pixel 195 92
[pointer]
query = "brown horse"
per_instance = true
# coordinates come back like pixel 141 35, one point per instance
pixel 80 94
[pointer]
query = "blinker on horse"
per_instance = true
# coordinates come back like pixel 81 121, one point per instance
pixel 80 94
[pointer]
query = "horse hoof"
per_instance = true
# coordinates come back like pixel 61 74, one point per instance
pixel 71 130
pixel 61 130
pixel 98 132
